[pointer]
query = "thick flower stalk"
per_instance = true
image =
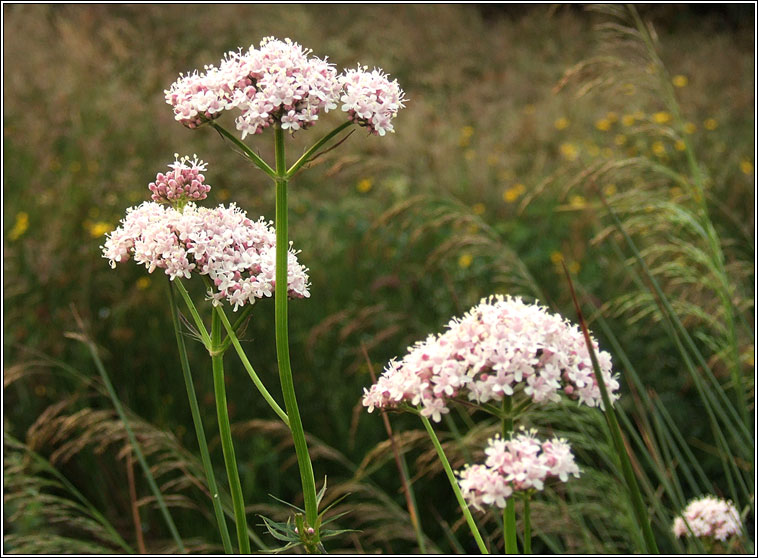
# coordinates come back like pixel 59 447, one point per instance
pixel 708 516
pixel 281 83
pixel 501 348
pixel 521 464
pixel 236 253
pixel 280 86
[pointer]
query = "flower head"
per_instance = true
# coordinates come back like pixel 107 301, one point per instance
pixel 708 516
pixel 281 83
pixel 522 463
pixel 183 183
pixel 371 99
pixel 199 97
pixel 499 348
pixel 237 254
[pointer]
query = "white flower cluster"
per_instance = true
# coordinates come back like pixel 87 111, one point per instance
pixel 519 464
pixel 370 99
pixel 708 517
pixel 238 255
pixel 281 82
pixel 498 347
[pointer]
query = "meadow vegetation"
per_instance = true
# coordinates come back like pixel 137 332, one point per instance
pixel 620 146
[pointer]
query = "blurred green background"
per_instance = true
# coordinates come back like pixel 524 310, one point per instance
pixel 483 188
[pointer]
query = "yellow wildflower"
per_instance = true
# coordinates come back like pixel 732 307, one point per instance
pixel 513 193
pixel 478 208
pixel 620 139
pixel 562 123
pixel 569 151
pixel 577 202
pixel 627 119
pixel 20 226
pixel 680 81
pixel 574 267
pixel 629 89
pixel 610 190
pixel 611 117
pixel 679 145
pixel 98 228
pixel 746 167
pixel 689 128
pixel 465 137
pixel 223 194
pixel 749 355
pixel 364 185
pixel 143 283
pixel 465 260
pixel 556 257
pixel 658 148
pixel 603 124
pixel 662 117
pixel 710 124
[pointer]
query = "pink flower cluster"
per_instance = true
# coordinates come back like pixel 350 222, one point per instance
pixel 280 82
pixel 519 464
pixel 238 255
pixel 709 517
pixel 499 347
pixel 371 99
pixel 181 184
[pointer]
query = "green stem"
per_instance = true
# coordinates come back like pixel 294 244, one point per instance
pixel 527 525
pixel 509 513
pixel 237 323
pixel 225 431
pixel 249 367
pixel 195 315
pixel 136 447
pixel 454 484
pixel 249 153
pixel 308 154
pixel 282 341
pixel 198 422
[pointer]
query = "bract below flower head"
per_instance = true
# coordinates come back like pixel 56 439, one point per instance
pixel 502 347
pixel 522 463
pixel 237 254
pixel 184 182
pixel 708 516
